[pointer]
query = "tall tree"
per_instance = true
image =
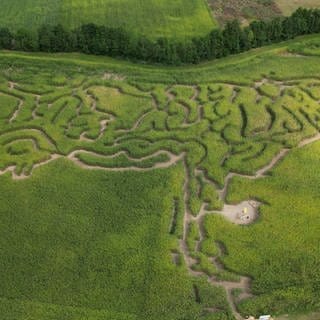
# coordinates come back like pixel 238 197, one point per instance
pixel 216 46
pixel 25 40
pixel 6 38
pixel 232 35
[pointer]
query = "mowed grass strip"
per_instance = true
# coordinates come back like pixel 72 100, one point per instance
pixel 243 68
pixel 152 18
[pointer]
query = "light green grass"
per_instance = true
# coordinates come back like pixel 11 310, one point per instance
pixel 153 18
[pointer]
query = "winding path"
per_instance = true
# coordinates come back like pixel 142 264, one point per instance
pixel 245 283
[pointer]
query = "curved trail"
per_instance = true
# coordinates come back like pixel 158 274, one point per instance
pixel 34 111
pixel 173 159
pixel 245 283
pixel 22 176
pixel 161 165
pixel 12 85
pixel 104 119
pixel 190 262
pixel 261 173
pixel 16 112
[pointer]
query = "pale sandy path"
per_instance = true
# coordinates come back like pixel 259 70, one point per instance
pixel 12 85
pixel 245 283
pixel 16 112
pixel 34 111
pixel 12 169
pixel 261 173
pixel 173 160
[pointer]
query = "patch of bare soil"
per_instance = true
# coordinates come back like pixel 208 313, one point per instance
pixel 243 10
pixel 289 54
pixel 243 213
pixel 113 76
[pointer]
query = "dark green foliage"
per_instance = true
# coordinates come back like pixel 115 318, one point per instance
pixel 232 35
pixel 117 42
pixel 6 38
pixel 25 41
pixel 55 39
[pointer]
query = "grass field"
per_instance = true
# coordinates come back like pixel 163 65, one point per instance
pixel 154 18
pixel 98 250
pixel 120 186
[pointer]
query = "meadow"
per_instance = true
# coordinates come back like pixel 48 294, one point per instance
pixel 114 178
pixel 153 18
pixel 93 250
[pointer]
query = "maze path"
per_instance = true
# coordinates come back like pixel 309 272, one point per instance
pixel 217 131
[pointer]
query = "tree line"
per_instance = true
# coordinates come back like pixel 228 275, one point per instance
pixel 117 42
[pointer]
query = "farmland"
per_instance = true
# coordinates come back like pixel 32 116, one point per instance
pixel 116 181
pixel 153 18
pixel 180 19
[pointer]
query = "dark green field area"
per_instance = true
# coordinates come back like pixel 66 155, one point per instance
pixel 141 192
pixel 153 18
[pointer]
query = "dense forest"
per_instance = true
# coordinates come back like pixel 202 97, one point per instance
pixel 117 42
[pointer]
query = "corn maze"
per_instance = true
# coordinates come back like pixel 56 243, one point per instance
pixel 215 130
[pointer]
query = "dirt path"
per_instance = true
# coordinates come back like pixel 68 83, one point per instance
pixel 289 54
pixel 12 85
pixel 137 122
pixel 12 169
pixel 228 286
pixel 103 127
pixel 231 213
pixel 196 94
pixel 261 173
pixel 244 213
pixel 113 76
pixel 235 213
pixel 34 111
pixel 173 160
pixel 16 112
